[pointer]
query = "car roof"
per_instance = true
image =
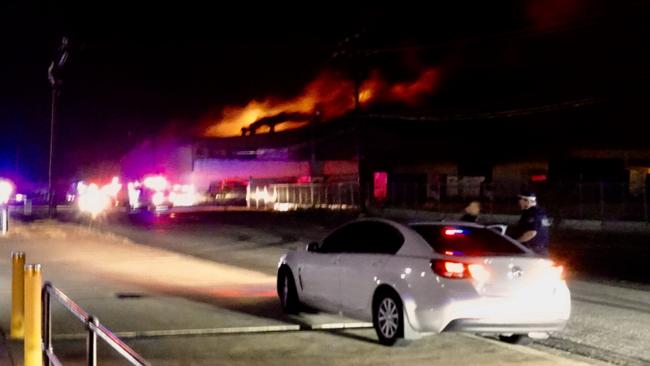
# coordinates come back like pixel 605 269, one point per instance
pixel 414 244
pixel 446 223
pixel 465 224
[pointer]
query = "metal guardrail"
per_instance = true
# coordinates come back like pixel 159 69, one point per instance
pixel 95 328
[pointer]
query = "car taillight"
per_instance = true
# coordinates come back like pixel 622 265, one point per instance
pixel 458 270
pixel 449 269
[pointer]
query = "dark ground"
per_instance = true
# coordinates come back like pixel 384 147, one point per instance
pixel 596 255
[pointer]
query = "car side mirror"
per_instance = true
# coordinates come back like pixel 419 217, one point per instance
pixel 312 246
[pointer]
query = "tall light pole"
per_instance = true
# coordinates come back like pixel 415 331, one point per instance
pixel 55 81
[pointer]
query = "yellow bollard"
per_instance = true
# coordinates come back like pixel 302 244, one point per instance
pixel 17 295
pixel 33 354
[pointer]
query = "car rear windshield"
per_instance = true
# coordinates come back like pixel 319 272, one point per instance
pixel 466 241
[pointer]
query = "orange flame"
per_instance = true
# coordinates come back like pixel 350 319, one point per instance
pixel 328 94
pixel 332 95
pixel 376 90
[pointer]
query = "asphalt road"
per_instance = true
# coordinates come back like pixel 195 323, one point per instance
pixel 174 289
pixel 607 271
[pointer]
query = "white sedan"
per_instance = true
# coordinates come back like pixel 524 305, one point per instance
pixel 427 277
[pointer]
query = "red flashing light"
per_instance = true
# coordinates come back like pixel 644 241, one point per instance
pixel 453 232
pixel 380 186
pixel 538 178
pixel 304 179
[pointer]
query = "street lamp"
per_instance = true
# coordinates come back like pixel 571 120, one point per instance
pixel 55 81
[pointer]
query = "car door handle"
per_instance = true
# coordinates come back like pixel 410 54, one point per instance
pixel 336 260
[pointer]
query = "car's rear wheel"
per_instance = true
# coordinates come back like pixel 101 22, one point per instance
pixel 388 318
pixel 521 339
pixel 287 292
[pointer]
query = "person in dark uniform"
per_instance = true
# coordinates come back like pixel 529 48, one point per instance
pixel 533 224
pixel 472 211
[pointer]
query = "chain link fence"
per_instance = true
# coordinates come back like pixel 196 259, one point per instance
pixel 284 197
pixel 584 201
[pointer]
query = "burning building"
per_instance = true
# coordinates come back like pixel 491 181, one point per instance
pixel 478 116
pixel 417 159
pixel 310 137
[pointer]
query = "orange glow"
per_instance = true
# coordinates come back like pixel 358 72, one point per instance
pixel 237 293
pixel 409 92
pixel 371 90
pixel 365 95
pixel 376 90
pixel 289 125
pixel 328 94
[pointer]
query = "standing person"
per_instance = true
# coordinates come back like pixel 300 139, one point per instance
pixel 472 211
pixel 533 224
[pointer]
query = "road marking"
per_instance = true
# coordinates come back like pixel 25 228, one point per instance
pixel 330 326
pixel 224 330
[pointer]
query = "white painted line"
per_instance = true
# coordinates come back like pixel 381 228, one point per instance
pixel 224 330
pixel 189 332
pixel 330 326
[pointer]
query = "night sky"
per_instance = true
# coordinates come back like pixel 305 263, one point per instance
pixel 137 71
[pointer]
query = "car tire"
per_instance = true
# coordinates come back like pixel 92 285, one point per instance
pixel 520 339
pixel 388 317
pixel 287 292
